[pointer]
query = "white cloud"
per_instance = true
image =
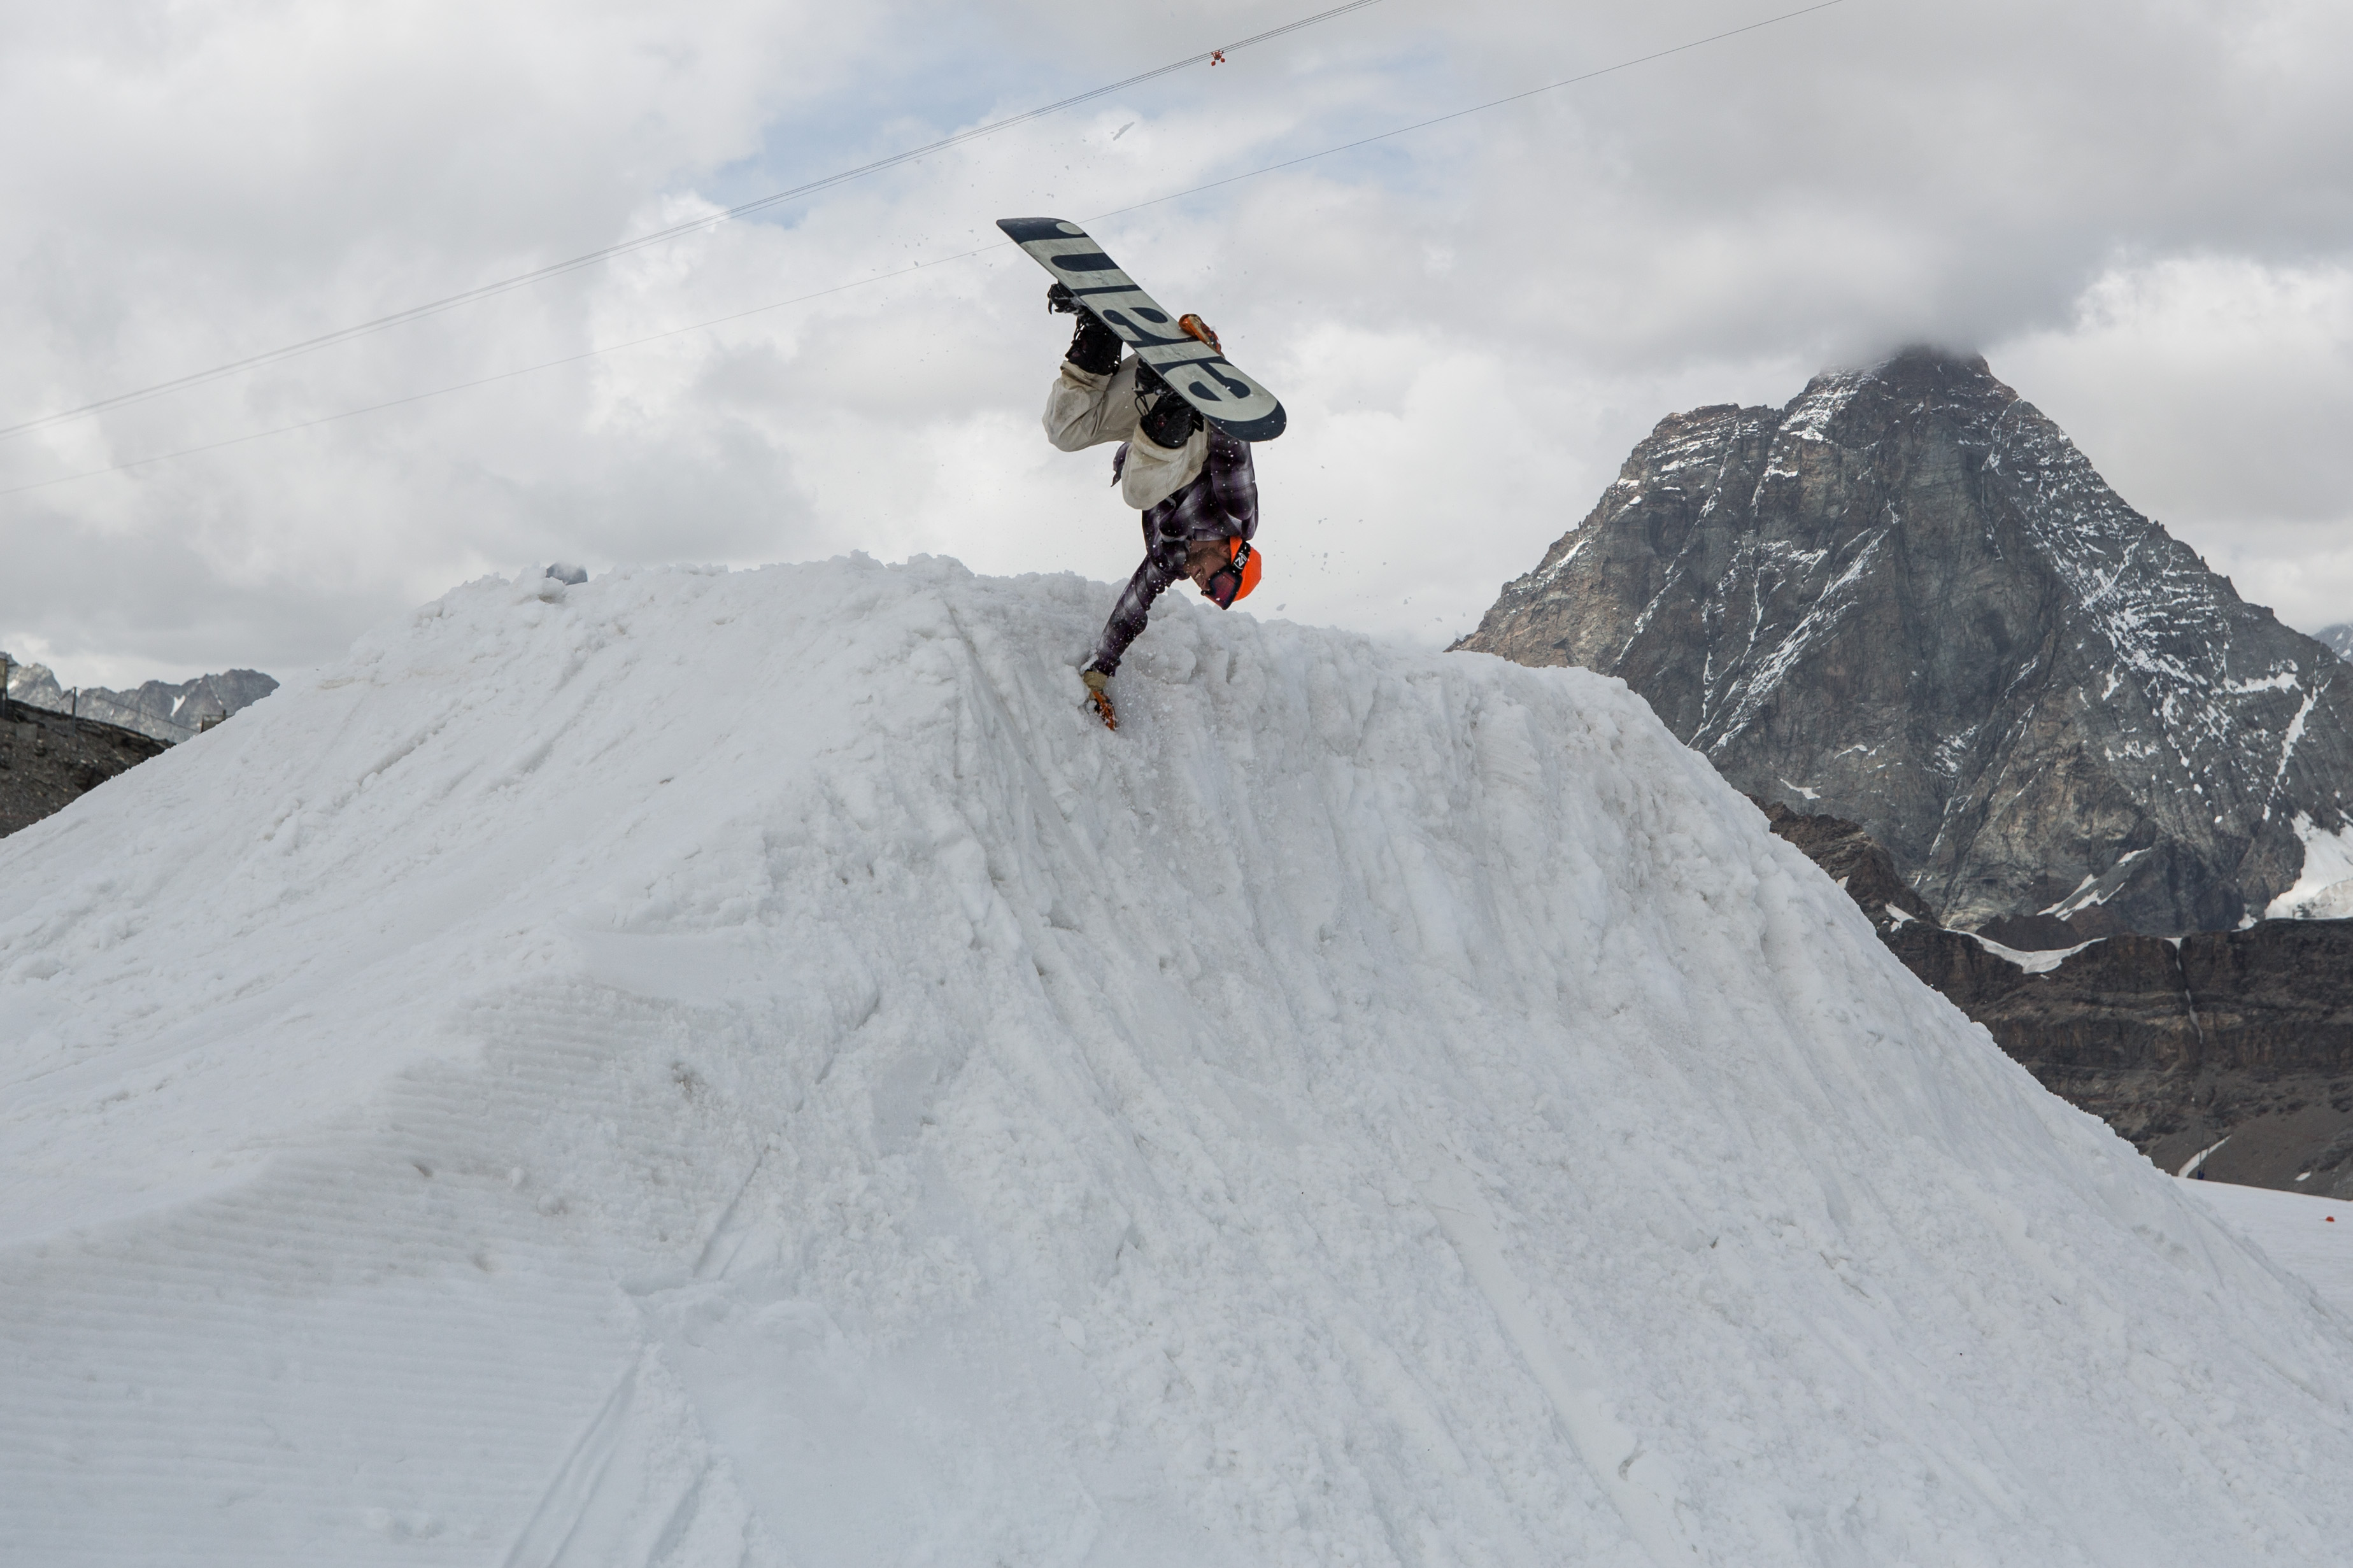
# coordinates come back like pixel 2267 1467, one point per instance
pixel 2212 392
pixel 2136 209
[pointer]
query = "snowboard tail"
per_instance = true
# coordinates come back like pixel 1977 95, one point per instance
pixel 1201 375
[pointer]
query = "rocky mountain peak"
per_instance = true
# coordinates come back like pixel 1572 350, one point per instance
pixel 168 712
pixel 1906 599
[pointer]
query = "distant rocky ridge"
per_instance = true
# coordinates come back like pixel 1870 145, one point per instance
pixel 2234 1044
pixel 1854 860
pixel 2231 1049
pixel 170 713
pixel 47 762
pixel 1908 600
pixel 2339 637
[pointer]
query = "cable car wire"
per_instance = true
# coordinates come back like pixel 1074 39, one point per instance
pixel 915 266
pixel 660 237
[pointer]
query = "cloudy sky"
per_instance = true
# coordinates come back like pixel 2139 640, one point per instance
pixel 2140 211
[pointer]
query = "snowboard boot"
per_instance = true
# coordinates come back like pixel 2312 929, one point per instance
pixel 1094 348
pixel 1164 418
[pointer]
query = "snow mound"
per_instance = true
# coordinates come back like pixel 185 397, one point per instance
pixel 709 1068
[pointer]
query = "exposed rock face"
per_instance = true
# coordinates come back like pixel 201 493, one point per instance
pixel 2238 1038
pixel 2242 1038
pixel 1854 860
pixel 2032 934
pixel 170 713
pixel 2339 637
pixel 1908 600
pixel 48 762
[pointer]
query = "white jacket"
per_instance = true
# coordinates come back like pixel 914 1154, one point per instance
pixel 1085 409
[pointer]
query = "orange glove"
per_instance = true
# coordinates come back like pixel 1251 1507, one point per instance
pixel 1100 699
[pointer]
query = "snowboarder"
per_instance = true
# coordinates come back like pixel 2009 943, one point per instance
pixel 1192 481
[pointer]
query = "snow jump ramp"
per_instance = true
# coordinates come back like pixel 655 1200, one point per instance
pixel 712 1068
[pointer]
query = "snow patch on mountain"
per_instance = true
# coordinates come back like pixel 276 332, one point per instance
pixel 2040 960
pixel 2150 598
pixel 1808 417
pixel 510 1099
pixel 2325 892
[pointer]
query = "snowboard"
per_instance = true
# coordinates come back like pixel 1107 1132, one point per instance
pixel 1202 376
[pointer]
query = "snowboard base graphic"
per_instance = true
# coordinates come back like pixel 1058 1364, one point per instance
pixel 1201 375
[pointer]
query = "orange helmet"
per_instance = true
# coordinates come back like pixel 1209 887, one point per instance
pixel 1236 578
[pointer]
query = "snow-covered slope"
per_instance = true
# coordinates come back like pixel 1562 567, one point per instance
pixel 2311 1236
pixel 512 1100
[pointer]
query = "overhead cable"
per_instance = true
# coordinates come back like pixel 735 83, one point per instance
pixel 915 265
pixel 1474 109
pixel 662 237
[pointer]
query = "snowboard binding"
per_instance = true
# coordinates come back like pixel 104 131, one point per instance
pixel 1094 347
pixel 1161 412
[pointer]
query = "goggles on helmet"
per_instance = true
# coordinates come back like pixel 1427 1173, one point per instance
pixel 1225 584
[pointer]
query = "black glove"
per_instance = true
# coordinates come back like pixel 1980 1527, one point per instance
pixel 1093 347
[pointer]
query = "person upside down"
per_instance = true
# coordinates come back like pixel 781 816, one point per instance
pixel 1192 481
